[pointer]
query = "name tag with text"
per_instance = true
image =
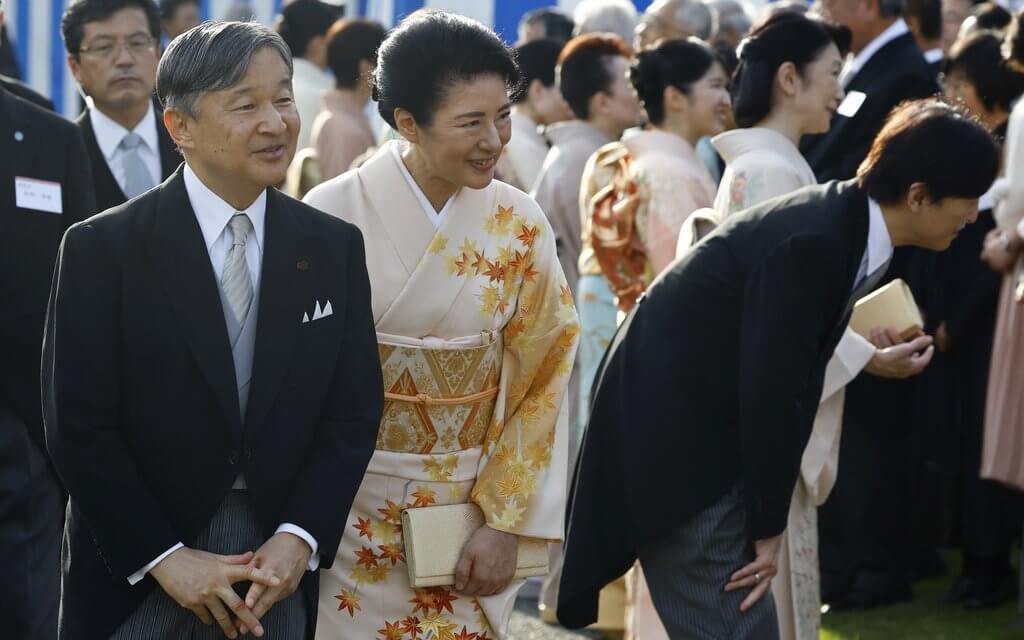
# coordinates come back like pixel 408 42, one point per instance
pixel 41 195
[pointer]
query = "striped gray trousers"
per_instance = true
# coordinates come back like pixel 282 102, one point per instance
pixel 687 572
pixel 233 529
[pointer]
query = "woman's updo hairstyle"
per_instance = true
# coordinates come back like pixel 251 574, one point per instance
pixel 672 63
pixel 786 36
pixel 428 53
pixel 1013 43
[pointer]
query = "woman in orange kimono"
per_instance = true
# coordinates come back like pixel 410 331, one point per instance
pixel 477 334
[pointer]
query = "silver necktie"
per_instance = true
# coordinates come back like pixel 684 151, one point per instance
pixel 236 280
pixel 137 179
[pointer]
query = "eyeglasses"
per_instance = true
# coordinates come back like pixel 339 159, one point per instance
pixel 109 49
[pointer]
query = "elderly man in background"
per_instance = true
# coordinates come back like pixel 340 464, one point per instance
pixel 732 22
pixel 544 24
pixel 617 17
pixel 666 19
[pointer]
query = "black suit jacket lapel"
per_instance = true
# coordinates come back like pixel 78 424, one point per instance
pixel 107 189
pixel 857 223
pixel 284 287
pixel 8 151
pixel 182 264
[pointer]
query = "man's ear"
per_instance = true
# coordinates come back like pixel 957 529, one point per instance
pixel 179 127
pixel 918 197
pixel 75 66
pixel 406 124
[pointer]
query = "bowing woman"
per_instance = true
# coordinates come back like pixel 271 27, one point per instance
pixel 471 309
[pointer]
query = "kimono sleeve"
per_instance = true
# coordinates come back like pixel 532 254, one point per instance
pixel 523 473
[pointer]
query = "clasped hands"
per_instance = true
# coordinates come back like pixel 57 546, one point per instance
pixel 202 582
pixel 895 358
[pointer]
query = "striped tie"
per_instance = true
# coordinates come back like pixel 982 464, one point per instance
pixel 236 280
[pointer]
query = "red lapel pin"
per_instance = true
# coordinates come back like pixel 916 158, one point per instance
pixel 302 265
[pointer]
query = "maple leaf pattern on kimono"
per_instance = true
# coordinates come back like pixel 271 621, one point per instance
pixel 540 339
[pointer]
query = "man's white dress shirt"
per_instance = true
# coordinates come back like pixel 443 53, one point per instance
pixel 109 135
pixel 857 62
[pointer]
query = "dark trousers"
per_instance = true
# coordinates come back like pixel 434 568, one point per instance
pixel 31 526
pixel 232 530
pixel 687 572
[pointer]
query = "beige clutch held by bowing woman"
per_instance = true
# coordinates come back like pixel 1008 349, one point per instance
pixel 435 537
pixel 890 306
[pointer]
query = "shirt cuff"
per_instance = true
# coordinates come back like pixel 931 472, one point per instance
pixel 137 577
pixel 296 530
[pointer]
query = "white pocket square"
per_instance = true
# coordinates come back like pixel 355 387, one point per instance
pixel 319 312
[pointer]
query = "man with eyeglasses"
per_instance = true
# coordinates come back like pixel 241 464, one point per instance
pixel 44 188
pixel 113 49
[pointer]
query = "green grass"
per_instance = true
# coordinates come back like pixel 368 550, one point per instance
pixel 925 618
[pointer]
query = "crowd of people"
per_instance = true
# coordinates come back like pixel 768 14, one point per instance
pixel 276 286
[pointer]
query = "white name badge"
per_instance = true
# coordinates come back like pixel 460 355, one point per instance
pixel 851 104
pixel 40 195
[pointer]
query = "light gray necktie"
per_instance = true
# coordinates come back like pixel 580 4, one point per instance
pixel 236 280
pixel 137 179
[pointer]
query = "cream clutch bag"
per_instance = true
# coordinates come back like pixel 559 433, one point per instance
pixel 435 536
pixel 891 306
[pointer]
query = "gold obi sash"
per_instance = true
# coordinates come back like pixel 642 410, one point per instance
pixel 439 395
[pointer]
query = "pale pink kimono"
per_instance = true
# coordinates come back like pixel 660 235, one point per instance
pixel 762 164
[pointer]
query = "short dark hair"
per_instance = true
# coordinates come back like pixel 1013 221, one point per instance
pixel 537 60
pixel 557 25
pixel 989 15
pixel 979 60
pixel 303 20
pixel 583 69
pixel 81 12
pixel 349 42
pixel 786 36
pixel 672 63
pixel 928 14
pixel 169 7
pixel 429 52
pixel 926 141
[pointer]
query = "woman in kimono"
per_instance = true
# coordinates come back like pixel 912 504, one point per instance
pixel 477 335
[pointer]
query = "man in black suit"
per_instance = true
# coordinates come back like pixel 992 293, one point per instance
pixel 924 18
pixel 729 346
pixel 113 49
pixel 864 540
pixel 44 188
pixel 193 415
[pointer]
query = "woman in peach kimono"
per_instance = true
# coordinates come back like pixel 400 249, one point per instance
pixel 477 335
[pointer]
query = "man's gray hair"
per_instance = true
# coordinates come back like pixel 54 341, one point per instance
pixel 211 57
pixel 694 16
pixel 606 16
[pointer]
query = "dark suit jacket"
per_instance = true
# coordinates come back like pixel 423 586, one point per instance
pixel 50 149
pixel 142 414
pixel 713 381
pixel 108 192
pixel 896 73
pixel 25 92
